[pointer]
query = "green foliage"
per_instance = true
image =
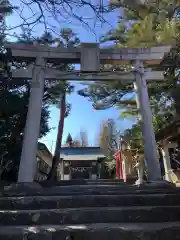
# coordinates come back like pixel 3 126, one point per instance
pixel 133 137
pixel 109 141
pixel 129 113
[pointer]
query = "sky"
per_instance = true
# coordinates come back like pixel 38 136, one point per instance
pixel 82 117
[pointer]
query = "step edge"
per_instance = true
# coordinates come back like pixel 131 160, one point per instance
pixel 90 196
pixel 59 210
pixel 95 226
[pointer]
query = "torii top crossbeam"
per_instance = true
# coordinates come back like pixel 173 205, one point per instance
pixel 88 52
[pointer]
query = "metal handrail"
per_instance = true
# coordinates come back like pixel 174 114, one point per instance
pixel 176 161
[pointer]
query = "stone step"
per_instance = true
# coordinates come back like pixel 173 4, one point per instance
pixel 85 189
pixel 58 192
pixel 53 202
pixel 133 214
pixel 81 182
pixel 109 186
pixel 130 231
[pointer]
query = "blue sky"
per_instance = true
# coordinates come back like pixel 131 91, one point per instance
pixel 83 116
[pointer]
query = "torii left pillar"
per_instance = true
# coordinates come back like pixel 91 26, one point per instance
pixel 28 163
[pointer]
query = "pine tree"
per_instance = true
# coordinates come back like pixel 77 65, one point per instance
pixel 69 140
pixel 143 26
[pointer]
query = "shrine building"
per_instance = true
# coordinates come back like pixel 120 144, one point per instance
pixel 76 163
pixel 81 163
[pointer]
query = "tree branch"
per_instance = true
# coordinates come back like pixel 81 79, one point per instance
pixel 59 10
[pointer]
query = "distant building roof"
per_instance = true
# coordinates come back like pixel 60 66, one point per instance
pixel 43 147
pixel 44 153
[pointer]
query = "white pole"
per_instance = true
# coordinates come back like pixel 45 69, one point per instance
pixel 167 163
pixel 27 169
pixel 144 109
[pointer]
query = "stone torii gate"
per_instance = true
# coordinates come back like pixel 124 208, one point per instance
pixel 90 56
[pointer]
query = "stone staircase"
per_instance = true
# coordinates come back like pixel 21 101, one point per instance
pixel 107 210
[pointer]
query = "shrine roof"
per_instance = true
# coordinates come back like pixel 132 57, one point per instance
pixel 81 153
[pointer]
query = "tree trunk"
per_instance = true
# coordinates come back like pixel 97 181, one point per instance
pixel 56 158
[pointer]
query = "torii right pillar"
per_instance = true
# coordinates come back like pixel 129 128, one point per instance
pixel 145 115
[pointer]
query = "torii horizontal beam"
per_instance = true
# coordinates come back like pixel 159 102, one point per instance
pixel 52 74
pixel 150 56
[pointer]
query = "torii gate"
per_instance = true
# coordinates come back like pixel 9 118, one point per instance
pixel 90 56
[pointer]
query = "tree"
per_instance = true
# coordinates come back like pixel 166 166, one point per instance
pixel 143 26
pixel 109 141
pixel 64 112
pixel 56 157
pixel 133 137
pixel 76 143
pixel 69 140
pixel 82 142
pixel 68 38
pixel 159 27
